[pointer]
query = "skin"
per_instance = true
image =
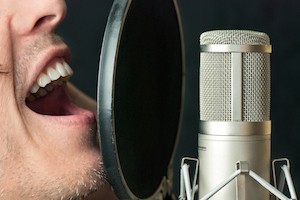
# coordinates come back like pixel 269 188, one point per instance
pixel 42 156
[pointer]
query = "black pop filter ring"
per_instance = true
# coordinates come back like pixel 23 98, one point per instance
pixel 140 96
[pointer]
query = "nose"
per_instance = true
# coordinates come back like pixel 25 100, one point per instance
pixel 38 16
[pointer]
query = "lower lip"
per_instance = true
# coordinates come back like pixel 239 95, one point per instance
pixel 81 118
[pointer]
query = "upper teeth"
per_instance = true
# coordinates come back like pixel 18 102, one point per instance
pixel 56 73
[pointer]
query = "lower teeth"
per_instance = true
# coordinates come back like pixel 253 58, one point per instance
pixel 44 91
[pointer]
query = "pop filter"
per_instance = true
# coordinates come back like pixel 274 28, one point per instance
pixel 140 96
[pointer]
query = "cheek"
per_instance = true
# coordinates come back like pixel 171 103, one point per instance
pixel 13 130
pixel 6 50
pixel 6 149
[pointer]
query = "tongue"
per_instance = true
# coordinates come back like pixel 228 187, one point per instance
pixel 55 103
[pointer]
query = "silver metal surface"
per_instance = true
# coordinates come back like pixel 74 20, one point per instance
pixel 235 128
pixel 237 86
pixel 222 48
pixel 218 157
pixel 235 121
pixel 220 76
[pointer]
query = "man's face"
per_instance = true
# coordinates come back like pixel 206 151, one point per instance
pixel 47 144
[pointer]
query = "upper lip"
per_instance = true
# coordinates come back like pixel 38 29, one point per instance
pixel 58 51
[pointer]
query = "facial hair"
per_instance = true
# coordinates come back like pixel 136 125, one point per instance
pixel 55 188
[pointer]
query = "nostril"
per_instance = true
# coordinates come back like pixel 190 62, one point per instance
pixel 43 20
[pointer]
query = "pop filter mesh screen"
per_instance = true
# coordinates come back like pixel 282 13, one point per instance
pixel 148 93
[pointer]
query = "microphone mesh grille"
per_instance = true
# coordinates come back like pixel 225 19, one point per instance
pixel 215 77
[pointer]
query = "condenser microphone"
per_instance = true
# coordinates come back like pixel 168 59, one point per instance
pixel 235 126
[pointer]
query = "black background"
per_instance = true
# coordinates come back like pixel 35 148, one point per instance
pixel 84 27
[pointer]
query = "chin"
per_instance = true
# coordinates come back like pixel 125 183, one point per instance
pixel 63 164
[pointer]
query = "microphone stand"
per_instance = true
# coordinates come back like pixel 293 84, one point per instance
pixel 187 192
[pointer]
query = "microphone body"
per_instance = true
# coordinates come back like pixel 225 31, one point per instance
pixel 234 112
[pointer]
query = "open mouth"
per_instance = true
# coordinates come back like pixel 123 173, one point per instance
pixel 48 96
